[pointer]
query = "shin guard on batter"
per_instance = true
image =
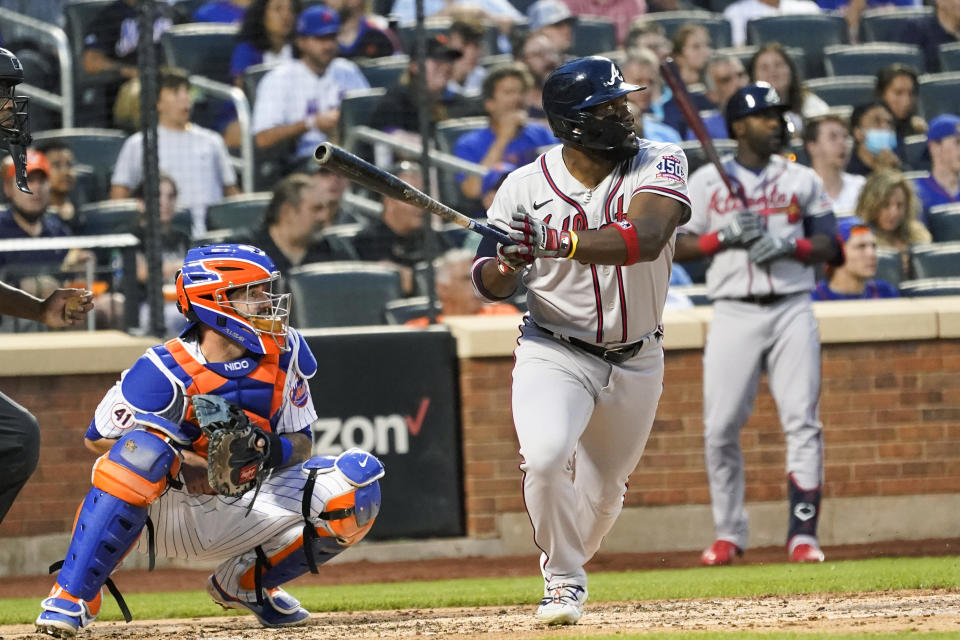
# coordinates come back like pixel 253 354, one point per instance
pixel 802 543
pixel 126 480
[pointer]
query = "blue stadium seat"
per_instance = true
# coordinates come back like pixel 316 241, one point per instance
pixel 384 72
pixel 400 311
pixel 950 57
pixel 939 93
pixel 715 23
pixel 915 152
pixel 944 222
pixel 593 35
pixel 241 211
pixel 935 260
pixel 840 91
pixel 885 25
pixel 696 157
pixel 202 48
pixel 812 33
pixel 889 266
pixel 356 107
pixel 342 294
pixel 97 148
pixel 930 287
pixel 746 53
pixel 340 237
pixel 868 58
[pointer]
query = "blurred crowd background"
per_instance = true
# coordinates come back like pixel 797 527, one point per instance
pixel 246 89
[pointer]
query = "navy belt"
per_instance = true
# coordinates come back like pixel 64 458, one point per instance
pixel 770 298
pixel 616 355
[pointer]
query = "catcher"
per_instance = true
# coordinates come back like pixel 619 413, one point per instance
pixel 206 443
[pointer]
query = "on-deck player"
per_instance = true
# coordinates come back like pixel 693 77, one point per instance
pixel 596 221
pixel 760 284
pixel 153 469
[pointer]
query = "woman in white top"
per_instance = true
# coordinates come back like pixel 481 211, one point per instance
pixel 771 63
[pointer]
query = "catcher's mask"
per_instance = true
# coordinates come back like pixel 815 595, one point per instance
pixel 14 130
pixel 229 288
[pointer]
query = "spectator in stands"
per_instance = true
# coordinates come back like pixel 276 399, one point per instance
pixel 491 183
pixel 502 13
pixel 772 64
pixel 509 137
pixel 467 75
pixel 642 68
pixel 620 12
pixel 111 43
pixel 691 52
pixel 929 32
pixel 828 144
pixel 887 203
pixel 398 109
pixel 541 58
pixel 646 33
pixel 853 9
pixel 26 216
pixel 855 279
pixel 298 103
pixel 63 180
pixel 553 19
pixel 452 272
pixel 196 158
pixel 266 35
pixel 723 76
pixel 942 186
pixel 742 11
pixel 874 139
pixel 398 237
pixel 228 11
pixel 897 88
pixel 332 187
pixel 298 211
pixel 363 34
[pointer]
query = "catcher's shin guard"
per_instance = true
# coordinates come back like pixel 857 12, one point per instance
pixel 125 481
pixel 804 511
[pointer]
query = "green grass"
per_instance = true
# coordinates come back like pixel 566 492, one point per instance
pixel 882 574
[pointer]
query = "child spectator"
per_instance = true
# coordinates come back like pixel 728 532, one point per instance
pixel 855 279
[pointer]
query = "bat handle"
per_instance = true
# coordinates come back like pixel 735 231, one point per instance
pixel 491 233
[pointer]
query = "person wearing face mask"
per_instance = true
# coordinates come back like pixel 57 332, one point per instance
pixel 855 278
pixel 828 144
pixel 874 139
pixel 887 203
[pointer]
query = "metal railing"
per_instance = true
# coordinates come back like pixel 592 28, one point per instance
pixel 63 102
pixel 242 107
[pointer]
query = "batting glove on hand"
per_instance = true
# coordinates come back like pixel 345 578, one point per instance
pixel 510 258
pixel 741 231
pixel 769 248
pixel 540 240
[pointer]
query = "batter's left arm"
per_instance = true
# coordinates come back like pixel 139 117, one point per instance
pixel 650 223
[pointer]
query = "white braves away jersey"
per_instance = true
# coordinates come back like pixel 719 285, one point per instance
pixel 783 195
pixel 602 304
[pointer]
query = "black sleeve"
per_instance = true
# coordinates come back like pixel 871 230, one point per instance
pixel 825 225
pixel 487 248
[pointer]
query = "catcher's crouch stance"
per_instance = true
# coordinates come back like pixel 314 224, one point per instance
pixel 232 389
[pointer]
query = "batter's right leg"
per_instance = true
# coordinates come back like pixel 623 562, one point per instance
pixel 19 450
pixel 731 372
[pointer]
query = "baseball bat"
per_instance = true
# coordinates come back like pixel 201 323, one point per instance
pixel 376 179
pixel 668 70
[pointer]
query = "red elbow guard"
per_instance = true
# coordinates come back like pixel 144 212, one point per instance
pixel 709 243
pixel 629 235
pixel 804 248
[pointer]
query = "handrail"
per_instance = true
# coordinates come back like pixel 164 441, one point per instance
pixel 443 160
pixel 239 101
pixel 62 46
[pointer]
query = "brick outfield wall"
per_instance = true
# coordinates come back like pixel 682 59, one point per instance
pixel 891 414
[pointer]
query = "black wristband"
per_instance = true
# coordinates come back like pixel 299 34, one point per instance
pixel 276 451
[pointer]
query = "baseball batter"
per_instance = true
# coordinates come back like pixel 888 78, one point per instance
pixel 595 221
pixel 760 281
pixel 153 469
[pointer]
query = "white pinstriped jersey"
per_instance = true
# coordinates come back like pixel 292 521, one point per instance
pixel 601 304
pixel 114 414
pixel 783 195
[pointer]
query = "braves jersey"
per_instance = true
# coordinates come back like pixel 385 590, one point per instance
pixel 788 197
pixel 272 391
pixel 601 304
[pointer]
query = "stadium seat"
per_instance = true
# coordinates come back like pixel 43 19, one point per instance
pixel 696 157
pixel 356 208
pixel 935 260
pixel 97 148
pixel 109 216
pixel 203 48
pixel 384 72
pixel 436 25
pixel 884 25
pixel 915 152
pixel 448 132
pixel 939 94
pixel 252 76
pixel 943 221
pixel 868 58
pixel 889 266
pixel 89 89
pixel 593 35
pixel 930 287
pixel 356 107
pixel 238 212
pixel 839 91
pixel 812 33
pixel 340 237
pixel 400 311
pixel 950 57
pixel 342 294
pixel 715 23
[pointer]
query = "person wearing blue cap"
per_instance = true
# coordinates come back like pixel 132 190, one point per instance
pixel 856 278
pixel 942 186
pixel 298 103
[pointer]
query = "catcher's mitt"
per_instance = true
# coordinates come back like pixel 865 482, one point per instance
pixel 238 451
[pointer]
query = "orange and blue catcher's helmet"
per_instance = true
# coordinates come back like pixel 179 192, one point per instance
pixel 230 288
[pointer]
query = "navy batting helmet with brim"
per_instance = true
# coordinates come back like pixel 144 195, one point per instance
pixel 575 87
pixel 751 100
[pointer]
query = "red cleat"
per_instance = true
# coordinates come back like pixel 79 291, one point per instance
pixel 806 553
pixel 720 552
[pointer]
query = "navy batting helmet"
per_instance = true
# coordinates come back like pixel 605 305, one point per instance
pixel 575 87
pixel 14 130
pixel 753 99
